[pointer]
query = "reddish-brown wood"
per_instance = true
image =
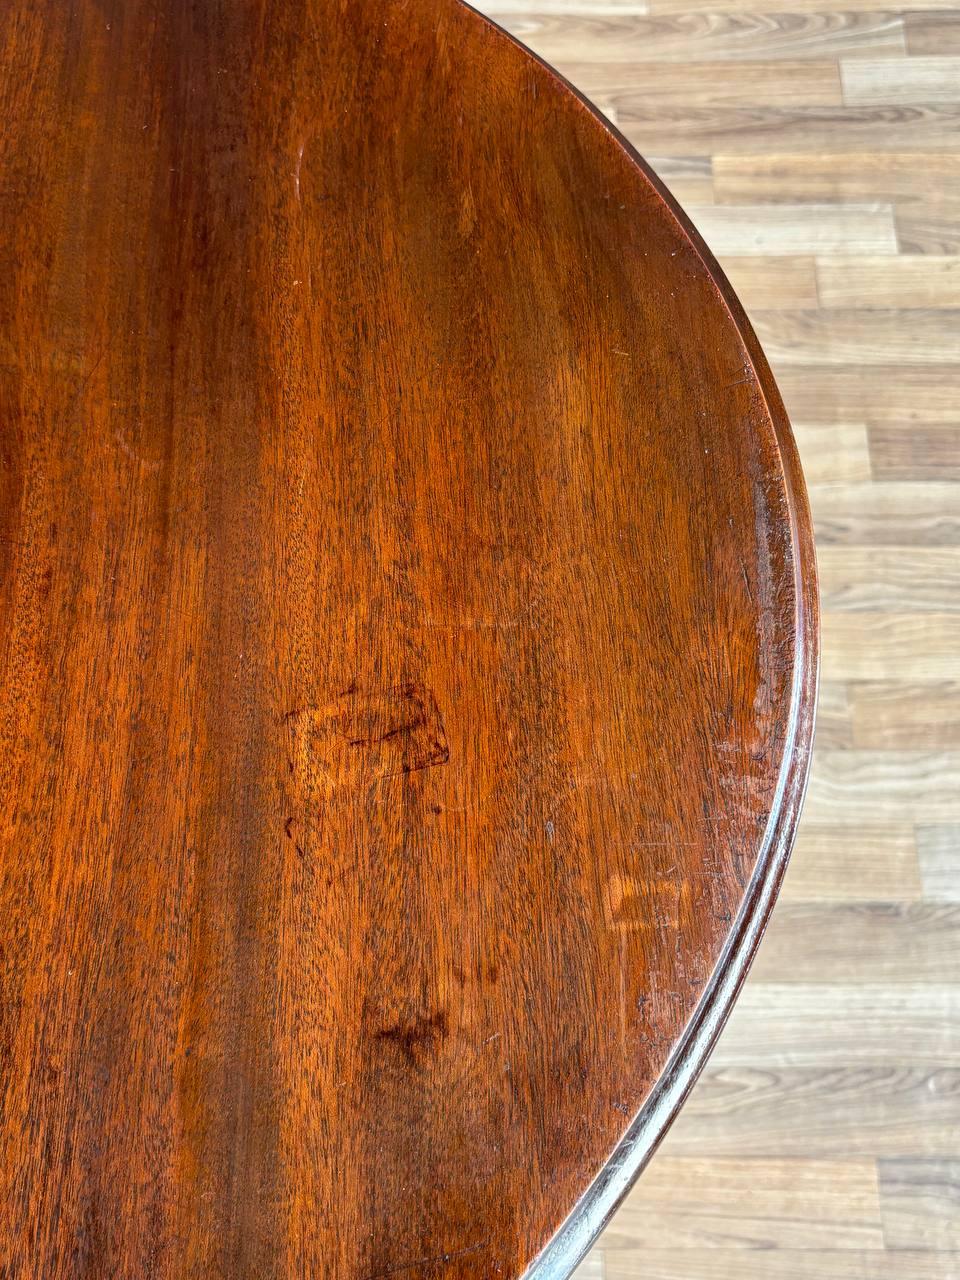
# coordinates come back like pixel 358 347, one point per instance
pixel 407 635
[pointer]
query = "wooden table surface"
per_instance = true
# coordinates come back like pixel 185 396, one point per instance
pixel 408 637
pixel 817 148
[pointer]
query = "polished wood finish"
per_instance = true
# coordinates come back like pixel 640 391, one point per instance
pixel 408 639
pixel 832 1099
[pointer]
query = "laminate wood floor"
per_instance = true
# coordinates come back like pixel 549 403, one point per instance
pixel 818 150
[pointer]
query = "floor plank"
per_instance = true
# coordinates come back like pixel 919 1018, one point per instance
pixel 930 224
pixel 772 1264
pixel 862 941
pixel 898 579
pixel 939 859
pixel 565 8
pixel 868 282
pixel 884 174
pixel 861 1110
pixel 751 1203
pixel 915 453
pixel 834 716
pixel 901 80
pixel 836 864
pixel 893 715
pixel 796 229
pixel 884 513
pixel 783 6
pixel 675 37
pixel 632 87
pixel 855 786
pixel 835 454
pixel 932 32
pixel 875 393
pixel 752 131
pixel 840 1025
pixel 787 283
pixel 869 646
pixel 858 337
pixel 920 1204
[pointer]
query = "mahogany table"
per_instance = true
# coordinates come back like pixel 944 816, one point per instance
pixel 408 646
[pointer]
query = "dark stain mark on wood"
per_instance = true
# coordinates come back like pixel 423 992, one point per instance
pixel 364 735
pixel 418 1038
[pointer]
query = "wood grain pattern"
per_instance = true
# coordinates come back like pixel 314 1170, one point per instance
pixel 828 1026
pixel 839 175
pixel 874 645
pixel 834 716
pixel 801 229
pixel 914 786
pixel 932 32
pixel 676 37
pixel 865 282
pixel 902 80
pixel 407 617
pixel 903 405
pixel 919 1202
pixel 813 1112
pixel 769 1264
pixel 929 226
pixel 828 866
pixel 939 851
pixel 915 453
pixel 849 337
pixel 837 453
pixel 906 579
pixel 906 716
pixel 869 941
pixel 628 87
pixel 885 513
pixel 788 283
pixel 859 1059
pixel 733 1202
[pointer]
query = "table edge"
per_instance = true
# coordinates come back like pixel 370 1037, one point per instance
pixel 600 1200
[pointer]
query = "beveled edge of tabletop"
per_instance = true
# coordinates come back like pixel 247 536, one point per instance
pixel 601 1198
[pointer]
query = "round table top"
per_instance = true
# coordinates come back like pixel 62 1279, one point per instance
pixel 408 637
